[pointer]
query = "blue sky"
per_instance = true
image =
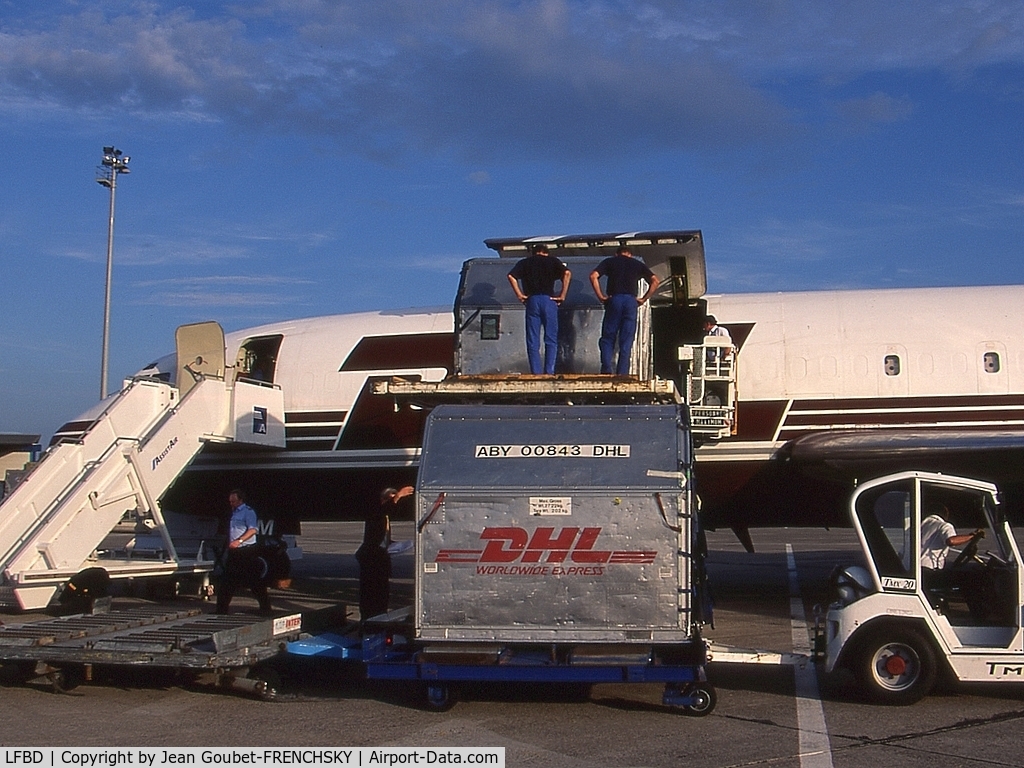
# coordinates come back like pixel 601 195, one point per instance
pixel 307 157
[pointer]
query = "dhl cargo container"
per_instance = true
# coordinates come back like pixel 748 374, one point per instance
pixel 557 524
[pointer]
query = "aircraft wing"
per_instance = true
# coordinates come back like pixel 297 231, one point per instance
pixel 809 480
pixel 860 453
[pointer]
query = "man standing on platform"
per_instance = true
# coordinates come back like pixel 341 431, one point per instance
pixel 538 274
pixel 620 306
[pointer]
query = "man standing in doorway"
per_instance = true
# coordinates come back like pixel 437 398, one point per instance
pixel 620 306
pixel 538 274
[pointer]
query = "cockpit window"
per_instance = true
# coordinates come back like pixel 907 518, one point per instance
pixel 161 369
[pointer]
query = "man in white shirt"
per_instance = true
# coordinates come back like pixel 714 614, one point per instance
pixel 937 536
pixel 712 328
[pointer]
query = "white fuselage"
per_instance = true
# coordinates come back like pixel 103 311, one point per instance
pixel 809 362
pixel 832 344
pixel 892 358
pixel 821 345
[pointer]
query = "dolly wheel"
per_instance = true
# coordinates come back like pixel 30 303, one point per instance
pixel 439 697
pixel 697 699
pixel 66 679
pixel 704 700
pixel 268 682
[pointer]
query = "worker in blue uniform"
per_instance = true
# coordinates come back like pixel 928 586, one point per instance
pixel 538 274
pixel 243 565
pixel 621 305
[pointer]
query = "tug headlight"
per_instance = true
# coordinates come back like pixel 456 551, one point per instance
pixel 849 584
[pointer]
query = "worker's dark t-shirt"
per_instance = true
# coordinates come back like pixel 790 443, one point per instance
pixel 623 273
pixel 538 274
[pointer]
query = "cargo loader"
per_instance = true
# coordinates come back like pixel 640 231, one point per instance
pixel 557 538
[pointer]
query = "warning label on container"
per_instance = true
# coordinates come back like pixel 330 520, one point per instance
pixel 550 505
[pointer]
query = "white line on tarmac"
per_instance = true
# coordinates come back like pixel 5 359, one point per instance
pixel 815 748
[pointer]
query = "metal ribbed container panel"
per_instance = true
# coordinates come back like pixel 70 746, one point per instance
pixel 554 524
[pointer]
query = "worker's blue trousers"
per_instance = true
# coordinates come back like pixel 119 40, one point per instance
pixel 541 311
pixel 619 325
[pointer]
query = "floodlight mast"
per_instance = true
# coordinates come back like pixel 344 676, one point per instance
pixel 114 162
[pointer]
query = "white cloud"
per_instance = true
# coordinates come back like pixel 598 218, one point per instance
pixel 220 291
pixel 489 79
pixel 879 107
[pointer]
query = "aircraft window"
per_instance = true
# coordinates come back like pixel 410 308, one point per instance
pixel 990 362
pixel 829 367
pixel 891 364
pixel 490 327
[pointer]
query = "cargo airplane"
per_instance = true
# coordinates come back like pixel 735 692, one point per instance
pixel 833 387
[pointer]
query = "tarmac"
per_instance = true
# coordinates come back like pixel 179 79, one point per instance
pixel 770 715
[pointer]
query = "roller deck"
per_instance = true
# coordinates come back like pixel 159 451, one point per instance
pixel 186 639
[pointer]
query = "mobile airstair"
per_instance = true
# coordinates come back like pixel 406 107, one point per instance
pixel 54 523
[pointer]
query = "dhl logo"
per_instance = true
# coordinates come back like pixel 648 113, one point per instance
pixel 576 545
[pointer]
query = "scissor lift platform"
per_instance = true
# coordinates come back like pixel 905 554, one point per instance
pixel 203 647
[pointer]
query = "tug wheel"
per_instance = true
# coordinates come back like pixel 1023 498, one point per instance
pixel 897 665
